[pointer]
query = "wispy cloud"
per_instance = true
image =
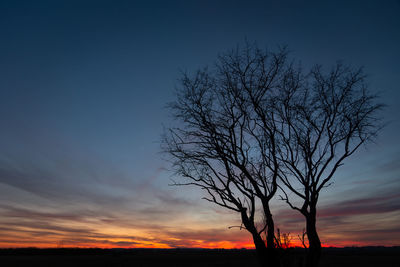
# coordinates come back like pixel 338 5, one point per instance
pixel 105 209
pixel 370 205
pixel 85 205
pixel 357 221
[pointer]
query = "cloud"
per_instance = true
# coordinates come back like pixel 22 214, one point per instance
pixel 103 212
pixel 72 230
pixel 86 205
pixel 13 212
pixel 368 220
pixel 370 205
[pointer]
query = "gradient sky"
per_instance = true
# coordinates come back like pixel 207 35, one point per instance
pixel 83 89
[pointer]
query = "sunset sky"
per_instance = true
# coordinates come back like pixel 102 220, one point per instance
pixel 83 90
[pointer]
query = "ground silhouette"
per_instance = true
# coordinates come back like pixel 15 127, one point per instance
pixel 343 257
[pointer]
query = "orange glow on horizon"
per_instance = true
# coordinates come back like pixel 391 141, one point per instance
pixel 120 237
pixel 204 245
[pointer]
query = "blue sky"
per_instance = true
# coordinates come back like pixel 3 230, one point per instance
pixel 83 89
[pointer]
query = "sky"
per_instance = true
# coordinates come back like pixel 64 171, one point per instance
pixel 83 93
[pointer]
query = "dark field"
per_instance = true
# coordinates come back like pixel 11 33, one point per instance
pixel 342 257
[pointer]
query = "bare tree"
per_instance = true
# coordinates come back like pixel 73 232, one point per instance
pixel 322 119
pixel 255 124
pixel 224 143
pixel 302 239
pixel 283 240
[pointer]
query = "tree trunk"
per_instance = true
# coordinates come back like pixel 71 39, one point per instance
pixel 314 250
pixel 267 257
pixel 270 228
pixel 272 253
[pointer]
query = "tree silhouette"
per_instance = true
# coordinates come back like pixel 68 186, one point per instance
pixel 322 119
pixel 224 143
pixel 255 124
